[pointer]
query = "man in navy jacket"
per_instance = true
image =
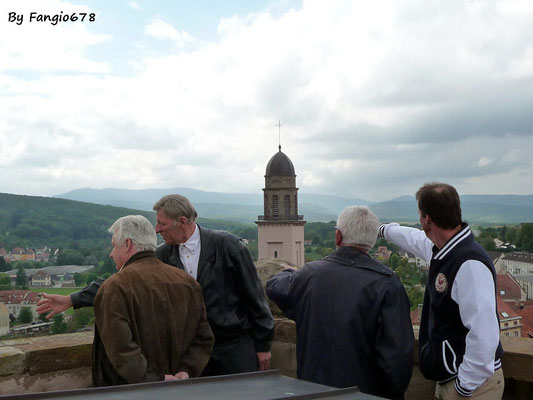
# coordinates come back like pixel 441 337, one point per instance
pixel 351 312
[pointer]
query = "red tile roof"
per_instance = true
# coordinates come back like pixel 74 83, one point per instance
pixel 507 284
pixel 505 308
pixel 18 297
pixel 527 321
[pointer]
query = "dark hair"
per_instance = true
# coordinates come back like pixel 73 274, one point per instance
pixel 441 202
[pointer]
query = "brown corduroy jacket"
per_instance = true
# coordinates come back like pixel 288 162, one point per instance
pixel 150 321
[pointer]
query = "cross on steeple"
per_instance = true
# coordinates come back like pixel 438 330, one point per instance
pixel 279 125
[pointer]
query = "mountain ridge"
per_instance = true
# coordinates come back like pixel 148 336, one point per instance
pixel 245 207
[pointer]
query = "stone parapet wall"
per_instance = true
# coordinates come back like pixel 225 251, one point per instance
pixel 45 363
pixel 59 362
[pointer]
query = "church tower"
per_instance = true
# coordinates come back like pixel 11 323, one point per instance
pixel 281 230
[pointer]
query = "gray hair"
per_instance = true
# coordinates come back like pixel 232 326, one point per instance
pixel 358 225
pixel 175 206
pixel 138 229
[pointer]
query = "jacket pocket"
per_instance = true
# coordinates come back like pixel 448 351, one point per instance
pixel 449 359
pixel 438 361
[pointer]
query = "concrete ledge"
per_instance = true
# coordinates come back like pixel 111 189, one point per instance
pixel 58 380
pixel 45 363
pixel 12 361
pixel 60 362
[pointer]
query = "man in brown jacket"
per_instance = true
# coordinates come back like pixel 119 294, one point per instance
pixel 151 323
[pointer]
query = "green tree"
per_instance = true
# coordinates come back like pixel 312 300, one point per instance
pixel 91 276
pixel 4 266
pixel 82 317
pixel 415 295
pixel 108 266
pixel 25 315
pixel 22 279
pixel 90 260
pixel 79 280
pixel 4 279
pixel 394 259
pixel 59 325
pixel 424 279
pixel 70 257
pixel 487 243
pixel 252 248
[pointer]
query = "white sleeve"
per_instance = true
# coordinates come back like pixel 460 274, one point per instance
pixel 412 240
pixel 473 291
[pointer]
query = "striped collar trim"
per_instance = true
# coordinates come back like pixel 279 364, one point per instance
pixel 454 241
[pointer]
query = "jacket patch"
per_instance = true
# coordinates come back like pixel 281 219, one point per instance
pixel 441 282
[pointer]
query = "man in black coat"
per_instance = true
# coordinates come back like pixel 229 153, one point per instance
pixel 351 313
pixel 237 309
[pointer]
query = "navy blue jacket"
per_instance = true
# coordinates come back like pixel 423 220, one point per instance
pixel 352 321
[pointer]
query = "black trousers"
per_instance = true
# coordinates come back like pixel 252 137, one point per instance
pixel 232 357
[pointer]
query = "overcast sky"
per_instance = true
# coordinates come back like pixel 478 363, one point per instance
pixel 375 97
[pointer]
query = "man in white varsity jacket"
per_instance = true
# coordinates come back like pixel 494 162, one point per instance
pixel 459 332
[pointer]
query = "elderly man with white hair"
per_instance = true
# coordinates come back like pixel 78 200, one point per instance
pixel 351 312
pixel 150 318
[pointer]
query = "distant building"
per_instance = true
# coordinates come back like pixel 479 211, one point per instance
pixel 41 278
pixel 383 253
pixel 527 321
pixel 42 254
pixel 526 282
pixel 280 230
pixel 509 289
pixel 20 254
pixel 4 320
pixel 416 316
pixel 518 263
pixel 57 273
pixel 497 260
pixel 503 245
pixel 412 259
pixel 14 300
pixel 510 321
pixel 32 328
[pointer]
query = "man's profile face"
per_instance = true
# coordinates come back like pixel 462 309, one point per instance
pixel 171 230
pixel 425 225
pixel 118 253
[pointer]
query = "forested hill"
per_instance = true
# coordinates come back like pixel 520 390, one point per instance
pixel 29 221
pixel 37 221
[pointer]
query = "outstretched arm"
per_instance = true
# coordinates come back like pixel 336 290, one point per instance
pixel 412 240
pixel 278 289
pixel 53 304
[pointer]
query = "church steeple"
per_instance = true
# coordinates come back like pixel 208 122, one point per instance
pixel 281 229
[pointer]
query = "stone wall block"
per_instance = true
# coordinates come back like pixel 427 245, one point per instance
pixel 285 330
pixel 266 269
pixel 12 361
pixel 62 358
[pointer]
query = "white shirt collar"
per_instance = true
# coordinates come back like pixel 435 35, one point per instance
pixel 194 241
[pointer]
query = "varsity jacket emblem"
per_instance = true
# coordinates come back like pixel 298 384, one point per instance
pixel 441 283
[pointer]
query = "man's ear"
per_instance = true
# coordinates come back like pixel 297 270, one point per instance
pixel 338 237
